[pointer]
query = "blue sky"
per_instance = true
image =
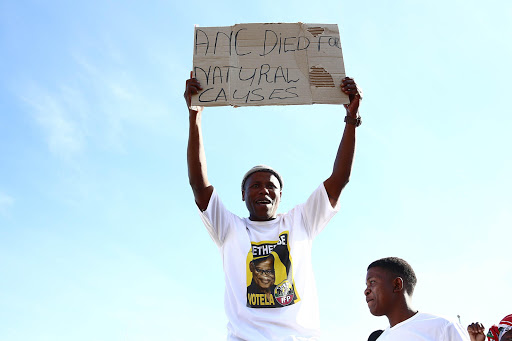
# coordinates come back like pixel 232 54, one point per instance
pixel 99 234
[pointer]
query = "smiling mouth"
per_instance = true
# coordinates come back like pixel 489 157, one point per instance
pixel 263 202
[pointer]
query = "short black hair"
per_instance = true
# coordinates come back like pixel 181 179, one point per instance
pixel 400 268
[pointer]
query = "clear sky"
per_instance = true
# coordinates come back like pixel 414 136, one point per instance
pixel 99 234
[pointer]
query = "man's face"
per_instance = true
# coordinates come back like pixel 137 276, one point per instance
pixel 379 291
pixel 263 273
pixel 262 195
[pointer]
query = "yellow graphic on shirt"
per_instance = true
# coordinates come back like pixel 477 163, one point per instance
pixel 269 270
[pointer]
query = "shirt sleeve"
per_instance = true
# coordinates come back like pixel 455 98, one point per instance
pixel 217 219
pixel 455 332
pixel 317 211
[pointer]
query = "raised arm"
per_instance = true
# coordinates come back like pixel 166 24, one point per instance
pixel 343 162
pixel 196 158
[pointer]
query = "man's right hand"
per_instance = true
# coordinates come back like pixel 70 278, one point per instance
pixel 476 332
pixel 192 87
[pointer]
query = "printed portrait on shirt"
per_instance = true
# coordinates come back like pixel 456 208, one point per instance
pixel 269 274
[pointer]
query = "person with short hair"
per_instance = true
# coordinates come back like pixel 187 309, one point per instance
pixel 390 284
pixel 270 289
pixel 263 276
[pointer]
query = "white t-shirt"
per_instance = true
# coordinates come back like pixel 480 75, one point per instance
pixel 425 327
pixel 290 311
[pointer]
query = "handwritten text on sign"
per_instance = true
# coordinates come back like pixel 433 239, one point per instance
pixel 268 64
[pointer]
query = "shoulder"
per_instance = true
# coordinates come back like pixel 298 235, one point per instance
pixel 216 211
pixel 215 203
pixel 425 326
pixel 451 329
pixel 440 318
pixel 426 320
pixel 431 318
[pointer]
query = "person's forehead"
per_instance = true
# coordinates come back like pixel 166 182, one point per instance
pixel 267 261
pixel 262 176
pixel 377 272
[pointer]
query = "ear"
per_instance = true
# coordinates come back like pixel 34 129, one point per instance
pixel 251 266
pixel 243 195
pixel 398 284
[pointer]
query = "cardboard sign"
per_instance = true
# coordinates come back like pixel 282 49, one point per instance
pixel 268 64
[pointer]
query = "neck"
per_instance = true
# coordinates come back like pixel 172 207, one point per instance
pixel 261 219
pixel 403 312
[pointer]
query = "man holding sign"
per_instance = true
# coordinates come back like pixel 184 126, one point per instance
pixel 270 289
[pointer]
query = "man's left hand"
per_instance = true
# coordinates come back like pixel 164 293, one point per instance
pixel 355 95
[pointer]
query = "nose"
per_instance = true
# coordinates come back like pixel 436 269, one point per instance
pixel 366 291
pixel 264 190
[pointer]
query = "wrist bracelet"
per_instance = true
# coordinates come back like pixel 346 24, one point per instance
pixel 354 121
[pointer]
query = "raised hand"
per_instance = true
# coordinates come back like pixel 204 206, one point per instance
pixel 476 331
pixel 192 87
pixel 355 95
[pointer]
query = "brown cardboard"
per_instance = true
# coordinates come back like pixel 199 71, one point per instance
pixel 268 64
